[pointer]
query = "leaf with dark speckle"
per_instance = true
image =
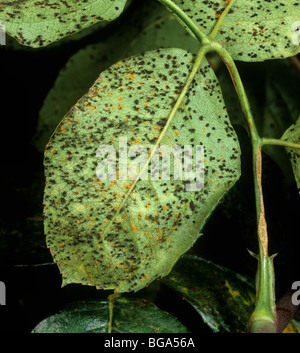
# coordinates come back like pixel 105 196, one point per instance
pixel 39 23
pixel 139 33
pixel 123 232
pixel 253 30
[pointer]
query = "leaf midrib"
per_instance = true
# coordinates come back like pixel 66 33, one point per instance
pixel 169 120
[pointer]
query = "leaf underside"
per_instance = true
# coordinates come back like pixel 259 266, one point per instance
pixel 252 30
pixel 118 234
pixel 39 23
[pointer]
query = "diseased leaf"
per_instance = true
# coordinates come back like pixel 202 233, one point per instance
pixel 151 27
pixel 96 29
pixel 252 30
pixel 123 232
pixel 292 135
pixel 224 299
pixel 129 316
pixel 39 23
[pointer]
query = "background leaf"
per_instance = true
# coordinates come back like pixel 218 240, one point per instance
pixel 111 233
pixel 274 101
pixel 224 299
pixel 293 135
pixel 129 316
pixel 37 24
pixel 252 30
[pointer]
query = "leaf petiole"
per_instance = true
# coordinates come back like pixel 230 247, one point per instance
pixel 203 38
pixel 278 142
pixel 111 299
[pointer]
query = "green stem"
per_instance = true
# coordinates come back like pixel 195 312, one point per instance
pixel 111 300
pixel 263 318
pixel 203 38
pixel 239 87
pixel 278 142
pixel 295 62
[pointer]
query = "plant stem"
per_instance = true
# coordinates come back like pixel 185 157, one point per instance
pixel 111 300
pixel 239 87
pixel 295 62
pixel 203 38
pixel 278 142
pixel 263 318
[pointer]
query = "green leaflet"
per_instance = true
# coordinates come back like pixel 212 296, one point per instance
pixel 39 23
pixel 121 234
pixel 252 30
pixel 130 316
pixel 292 135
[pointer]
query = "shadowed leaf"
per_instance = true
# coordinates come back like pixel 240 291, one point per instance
pixel 293 135
pixel 223 298
pixel 130 316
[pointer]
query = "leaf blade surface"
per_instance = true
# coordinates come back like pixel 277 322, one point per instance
pixel 252 30
pixel 40 23
pixel 123 234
